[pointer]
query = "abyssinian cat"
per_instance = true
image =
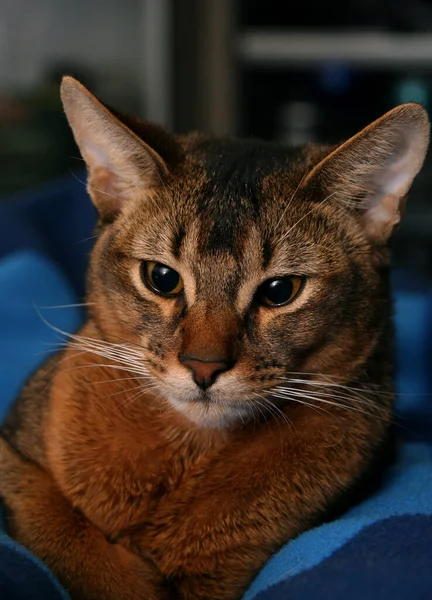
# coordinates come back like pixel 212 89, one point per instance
pixel 233 380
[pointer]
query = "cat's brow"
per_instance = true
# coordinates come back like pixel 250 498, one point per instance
pixel 156 248
pixel 293 261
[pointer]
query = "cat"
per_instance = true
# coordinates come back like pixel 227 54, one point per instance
pixel 233 381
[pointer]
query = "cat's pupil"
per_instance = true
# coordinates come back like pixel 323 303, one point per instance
pixel 161 279
pixel 165 279
pixel 278 291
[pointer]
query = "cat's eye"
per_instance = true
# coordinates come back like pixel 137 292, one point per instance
pixel 161 279
pixel 280 290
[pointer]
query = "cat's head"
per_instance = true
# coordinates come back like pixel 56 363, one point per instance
pixel 225 266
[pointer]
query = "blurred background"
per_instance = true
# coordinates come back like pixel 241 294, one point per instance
pixel 293 73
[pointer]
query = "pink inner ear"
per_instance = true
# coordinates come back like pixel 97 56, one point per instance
pixel 396 178
pixel 102 188
pixel 103 179
pixel 383 210
pixel 382 217
pixel 94 154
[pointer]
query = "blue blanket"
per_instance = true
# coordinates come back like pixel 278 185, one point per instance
pixel 379 550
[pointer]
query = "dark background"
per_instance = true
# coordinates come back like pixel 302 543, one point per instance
pixel 278 70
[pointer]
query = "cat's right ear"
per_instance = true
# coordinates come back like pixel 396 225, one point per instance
pixel 370 174
pixel 119 163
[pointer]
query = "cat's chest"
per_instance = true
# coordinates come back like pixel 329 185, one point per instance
pixel 119 483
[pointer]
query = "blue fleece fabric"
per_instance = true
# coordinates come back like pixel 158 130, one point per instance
pixel 380 549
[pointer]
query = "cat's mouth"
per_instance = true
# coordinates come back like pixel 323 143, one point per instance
pixel 234 397
pixel 219 406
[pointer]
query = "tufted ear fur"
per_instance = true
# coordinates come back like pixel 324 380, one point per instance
pixel 372 172
pixel 119 162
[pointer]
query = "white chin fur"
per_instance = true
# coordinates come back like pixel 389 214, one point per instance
pixel 209 414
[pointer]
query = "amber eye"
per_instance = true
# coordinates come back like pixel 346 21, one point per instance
pixel 161 279
pixel 280 290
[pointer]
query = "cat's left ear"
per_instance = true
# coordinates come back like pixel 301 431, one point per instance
pixel 119 162
pixel 372 172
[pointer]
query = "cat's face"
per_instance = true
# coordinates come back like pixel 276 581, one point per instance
pixel 226 240
pixel 243 264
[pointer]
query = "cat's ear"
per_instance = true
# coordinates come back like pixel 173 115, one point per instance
pixel 118 161
pixel 372 172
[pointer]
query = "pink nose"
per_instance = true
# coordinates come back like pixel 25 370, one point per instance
pixel 205 371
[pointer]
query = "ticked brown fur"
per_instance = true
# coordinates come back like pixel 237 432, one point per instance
pixel 118 471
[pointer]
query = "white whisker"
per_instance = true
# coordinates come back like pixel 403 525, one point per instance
pixel 78 304
pixel 289 393
pixel 291 199
pixel 274 410
pixel 302 402
pixel 339 395
pixel 314 207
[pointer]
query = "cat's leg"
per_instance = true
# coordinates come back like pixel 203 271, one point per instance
pixel 226 580
pixel 205 562
pixel 88 566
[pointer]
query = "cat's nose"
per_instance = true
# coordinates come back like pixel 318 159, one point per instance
pixel 205 371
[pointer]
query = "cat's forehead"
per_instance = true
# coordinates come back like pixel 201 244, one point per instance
pixel 233 186
pixel 231 173
pixel 233 199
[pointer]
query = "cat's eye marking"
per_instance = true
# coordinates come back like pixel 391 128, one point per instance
pixel 279 291
pixel 267 254
pixel 161 279
pixel 177 241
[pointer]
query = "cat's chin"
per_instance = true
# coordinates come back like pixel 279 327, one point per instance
pixel 210 413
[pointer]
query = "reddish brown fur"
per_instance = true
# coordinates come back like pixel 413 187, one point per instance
pixel 148 499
